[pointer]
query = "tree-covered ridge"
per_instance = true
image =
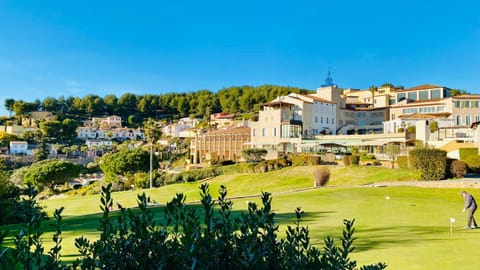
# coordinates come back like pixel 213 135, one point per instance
pixel 200 103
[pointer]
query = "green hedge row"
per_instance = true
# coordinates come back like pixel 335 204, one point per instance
pixel 464 153
pixel 431 163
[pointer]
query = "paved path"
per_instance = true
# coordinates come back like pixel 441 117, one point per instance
pixel 469 182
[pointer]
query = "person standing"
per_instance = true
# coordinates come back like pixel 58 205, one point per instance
pixel 471 205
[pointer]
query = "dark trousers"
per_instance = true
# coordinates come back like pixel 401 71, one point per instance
pixel 471 211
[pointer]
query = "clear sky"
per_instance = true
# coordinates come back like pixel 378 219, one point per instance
pixel 75 48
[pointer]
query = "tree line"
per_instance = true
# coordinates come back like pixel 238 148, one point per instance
pixel 129 106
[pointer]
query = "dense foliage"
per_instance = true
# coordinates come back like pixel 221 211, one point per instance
pixel 473 163
pixel 254 154
pixel 431 163
pixel 200 103
pixel 464 153
pixel 51 172
pixel 191 237
pixel 126 162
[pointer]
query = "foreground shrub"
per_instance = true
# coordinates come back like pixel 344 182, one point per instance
pixel 473 163
pixel 458 168
pixel 431 163
pixel 321 176
pixel 194 237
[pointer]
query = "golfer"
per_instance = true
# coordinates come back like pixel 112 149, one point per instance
pixel 471 205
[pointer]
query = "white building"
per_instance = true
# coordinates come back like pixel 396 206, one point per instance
pixel 176 130
pixel 19 148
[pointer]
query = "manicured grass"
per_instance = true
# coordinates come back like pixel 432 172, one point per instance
pixel 408 231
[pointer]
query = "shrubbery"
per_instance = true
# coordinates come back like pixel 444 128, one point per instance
pixel 431 163
pixel 191 237
pixel 473 163
pixel 464 153
pixel 355 160
pixel 321 176
pixel 458 168
pixel 191 176
pixel 304 159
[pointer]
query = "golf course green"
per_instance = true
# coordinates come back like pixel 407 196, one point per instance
pixel 404 226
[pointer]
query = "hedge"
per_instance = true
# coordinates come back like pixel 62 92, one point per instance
pixel 464 153
pixel 431 163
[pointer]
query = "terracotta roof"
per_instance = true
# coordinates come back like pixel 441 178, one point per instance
pixel 316 98
pixel 277 103
pixel 425 115
pixel 424 87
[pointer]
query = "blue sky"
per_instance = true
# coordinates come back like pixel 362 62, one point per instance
pixel 75 48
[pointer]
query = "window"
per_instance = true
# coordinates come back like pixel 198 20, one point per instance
pixel 274 132
pixel 440 108
pixel 392 101
pixel 477 118
pixel 457 104
pixel 458 120
pixel 423 95
pixel 475 104
pixel 466 104
pixel 467 120
pixel 321 119
pixel 326 118
pixel 412 95
pixel 435 94
pixel 401 96
pixel 264 132
pixel 316 119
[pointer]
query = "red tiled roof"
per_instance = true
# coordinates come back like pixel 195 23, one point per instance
pixel 423 87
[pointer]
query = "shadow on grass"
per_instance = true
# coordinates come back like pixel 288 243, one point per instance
pixel 384 237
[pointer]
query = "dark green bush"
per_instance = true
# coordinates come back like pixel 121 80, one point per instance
pixel 464 153
pixel 431 163
pixel 402 162
pixel 192 237
pixel 458 168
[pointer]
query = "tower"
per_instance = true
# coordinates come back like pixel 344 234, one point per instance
pixel 329 79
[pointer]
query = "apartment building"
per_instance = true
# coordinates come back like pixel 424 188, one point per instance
pixel 113 121
pixel 285 121
pixel 226 144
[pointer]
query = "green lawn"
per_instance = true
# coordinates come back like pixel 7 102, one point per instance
pixel 410 230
